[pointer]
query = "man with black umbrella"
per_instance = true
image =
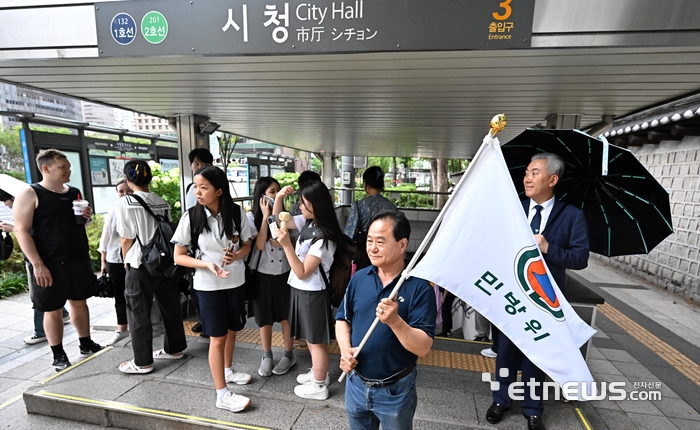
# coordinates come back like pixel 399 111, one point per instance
pixel 561 232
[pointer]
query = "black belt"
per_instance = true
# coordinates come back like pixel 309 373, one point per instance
pixel 396 377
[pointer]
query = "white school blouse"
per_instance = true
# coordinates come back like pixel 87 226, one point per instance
pixel 272 260
pixel 303 248
pixel 211 249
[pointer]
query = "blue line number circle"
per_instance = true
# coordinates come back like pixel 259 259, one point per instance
pixel 123 28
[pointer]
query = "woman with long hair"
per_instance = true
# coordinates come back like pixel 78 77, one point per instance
pixel 363 211
pixel 110 249
pixel 137 227
pixel 218 247
pixel 310 306
pixel 272 301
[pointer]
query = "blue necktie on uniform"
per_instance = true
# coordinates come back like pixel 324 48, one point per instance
pixel 536 220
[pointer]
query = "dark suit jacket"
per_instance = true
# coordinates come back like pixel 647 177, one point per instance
pixel 567 233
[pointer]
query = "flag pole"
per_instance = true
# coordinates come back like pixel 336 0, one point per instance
pixel 498 123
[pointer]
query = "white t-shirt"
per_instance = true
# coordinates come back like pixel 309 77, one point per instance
pixel 314 282
pixel 211 249
pixel 133 220
pixel 274 261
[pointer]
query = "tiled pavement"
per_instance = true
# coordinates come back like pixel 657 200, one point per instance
pixel 617 356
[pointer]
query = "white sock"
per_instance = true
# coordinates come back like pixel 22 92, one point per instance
pixel 227 370
pixel 221 393
pixel 319 385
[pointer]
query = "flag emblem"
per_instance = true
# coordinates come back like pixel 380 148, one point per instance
pixel 531 275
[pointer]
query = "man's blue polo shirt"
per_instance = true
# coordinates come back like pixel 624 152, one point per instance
pixel 383 355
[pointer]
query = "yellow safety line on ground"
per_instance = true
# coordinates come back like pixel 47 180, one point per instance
pixel 127 407
pixel 436 357
pixel 671 355
pixel 583 419
pixel 11 401
pixel 73 366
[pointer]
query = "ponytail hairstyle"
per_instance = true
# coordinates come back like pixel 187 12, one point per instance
pixel 138 172
pixel 260 187
pixel 198 217
pixel 318 195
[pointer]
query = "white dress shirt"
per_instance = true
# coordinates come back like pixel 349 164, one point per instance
pixel 546 210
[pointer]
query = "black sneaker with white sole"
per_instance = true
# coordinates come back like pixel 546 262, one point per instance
pixel 61 363
pixel 90 349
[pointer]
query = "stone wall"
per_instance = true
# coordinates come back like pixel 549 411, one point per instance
pixel 674 263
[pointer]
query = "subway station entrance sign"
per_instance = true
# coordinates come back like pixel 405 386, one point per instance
pixel 276 27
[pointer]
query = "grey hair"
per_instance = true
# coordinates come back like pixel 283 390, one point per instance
pixel 554 166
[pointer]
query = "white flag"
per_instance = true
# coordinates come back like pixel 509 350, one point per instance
pixel 485 254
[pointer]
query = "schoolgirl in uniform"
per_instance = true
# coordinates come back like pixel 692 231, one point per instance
pixel 310 307
pixel 219 248
pixel 272 301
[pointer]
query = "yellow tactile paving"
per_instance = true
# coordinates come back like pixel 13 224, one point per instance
pixel 671 355
pixel 438 358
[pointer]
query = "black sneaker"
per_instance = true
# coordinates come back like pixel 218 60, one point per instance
pixel 61 363
pixel 89 349
pixel 481 339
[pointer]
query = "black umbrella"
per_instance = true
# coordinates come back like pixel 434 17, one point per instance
pixel 627 210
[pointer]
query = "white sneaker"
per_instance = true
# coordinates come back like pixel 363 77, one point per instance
pixel 309 391
pixel 117 336
pixel 488 352
pixel 308 377
pixel 233 402
pixel 238 378
pixel 33 339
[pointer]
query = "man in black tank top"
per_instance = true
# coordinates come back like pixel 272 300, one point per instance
pixel 56 246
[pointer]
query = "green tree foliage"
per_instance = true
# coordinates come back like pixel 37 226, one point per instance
pixel 94 232
pixel 167 185
pixel 287 178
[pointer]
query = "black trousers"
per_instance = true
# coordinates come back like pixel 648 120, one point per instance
pixel 141 288
pixel 117 273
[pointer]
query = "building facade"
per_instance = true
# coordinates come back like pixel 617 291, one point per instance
pixel 152 124
pixel 17 98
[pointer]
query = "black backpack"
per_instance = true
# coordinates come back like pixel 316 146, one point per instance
pixel 341 269
pixel 158 254
pixel 6 246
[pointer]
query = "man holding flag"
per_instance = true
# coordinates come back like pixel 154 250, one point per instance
pixel 561 233
pixel 381 379
pixel 484 231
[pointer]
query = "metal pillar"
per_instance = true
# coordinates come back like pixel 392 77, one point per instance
pixel 188 138
pixel 347 180
pixel 328 174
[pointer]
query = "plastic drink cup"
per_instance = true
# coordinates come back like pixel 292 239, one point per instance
pixel 79 207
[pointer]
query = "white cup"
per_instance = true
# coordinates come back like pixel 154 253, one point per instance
pixel 79 207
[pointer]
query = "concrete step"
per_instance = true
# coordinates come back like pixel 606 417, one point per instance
pixel 180 394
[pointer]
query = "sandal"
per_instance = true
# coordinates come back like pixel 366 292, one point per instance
pixel 162 355
pixel 131 367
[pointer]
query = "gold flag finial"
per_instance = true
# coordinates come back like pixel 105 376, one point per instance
pixel 498 123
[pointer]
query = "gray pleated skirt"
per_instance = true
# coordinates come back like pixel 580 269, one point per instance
pixel 310 316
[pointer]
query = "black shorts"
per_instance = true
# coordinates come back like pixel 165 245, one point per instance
pixel 71 281
pixel 222 310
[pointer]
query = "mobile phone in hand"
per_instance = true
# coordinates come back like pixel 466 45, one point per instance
pixel 270 201
pixel 274 230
